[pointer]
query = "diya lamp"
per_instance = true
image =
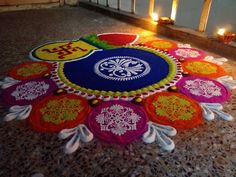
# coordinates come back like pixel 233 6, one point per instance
pixel 181 60
pixel 47 76
pixel 165 20
pixel 60 91
pixel 138 100
pixel 225 36
pixel 173 89
pixel 155 17
pixel 185 73
pixel 94 102
pixel 162 20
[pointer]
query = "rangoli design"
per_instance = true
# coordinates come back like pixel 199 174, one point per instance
pixel 187 53
pixel 30 90
pixel 58 111
pixel 106 87
pixel 146 71
pixel 30 70
pixel 122 68
pixel 174 108
pixel 203 68
pixel 119 122
pixel 161 44
pixel 63 51
pixel 117 119
pixel 197 67
pixel 202 88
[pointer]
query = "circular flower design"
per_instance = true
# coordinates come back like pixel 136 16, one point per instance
pixel 161 44
pixel 119 122
pixel 121 72
pixel 30 70
pixel 30 90
pixel 27 92
pixel 55 113
pixel 187 53
pixel 198 67
pixel 173 109
pixel 203 89
pixel 203 68
pixel 140 81
pixel 117 119
pixel 58 111
pixel 121 68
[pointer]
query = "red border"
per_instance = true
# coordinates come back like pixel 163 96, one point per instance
pixel 38 124
pixel 13 71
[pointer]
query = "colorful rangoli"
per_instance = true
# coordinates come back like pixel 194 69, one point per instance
pixel 163 45
pixel 203 68
pixel 106 87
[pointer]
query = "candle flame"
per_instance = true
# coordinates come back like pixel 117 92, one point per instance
pixel 155 17
pixel 221 31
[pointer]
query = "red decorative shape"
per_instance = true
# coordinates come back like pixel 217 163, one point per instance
pixel 19 71
pixel 37 122
pixel 167 109
pixel 118 39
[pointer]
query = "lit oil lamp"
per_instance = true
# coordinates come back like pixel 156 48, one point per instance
pixel 162 20
pixel 225 36
pixel 155 17
pixel 166 20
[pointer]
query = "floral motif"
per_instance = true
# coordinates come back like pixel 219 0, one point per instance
pixel 174 108
pixel 202 88
pixel 32 69
pixel 117 119
pixel 187 53
pixel 162 44
pixel 202 68
pixel 122 68
pixel 59 111
pixel 30 90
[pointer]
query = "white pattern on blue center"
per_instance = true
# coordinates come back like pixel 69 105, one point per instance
pixel 121 68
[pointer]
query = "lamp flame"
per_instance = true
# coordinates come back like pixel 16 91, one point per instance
pixel 155 17
pixel 221 31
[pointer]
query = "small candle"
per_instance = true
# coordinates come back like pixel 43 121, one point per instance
pixel 155 17
pixel 225 36
pixel 165 20
pixel 221 31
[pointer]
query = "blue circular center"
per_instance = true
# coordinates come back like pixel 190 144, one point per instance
pixel 123 69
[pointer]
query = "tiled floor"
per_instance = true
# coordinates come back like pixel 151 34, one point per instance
pixel 209 150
